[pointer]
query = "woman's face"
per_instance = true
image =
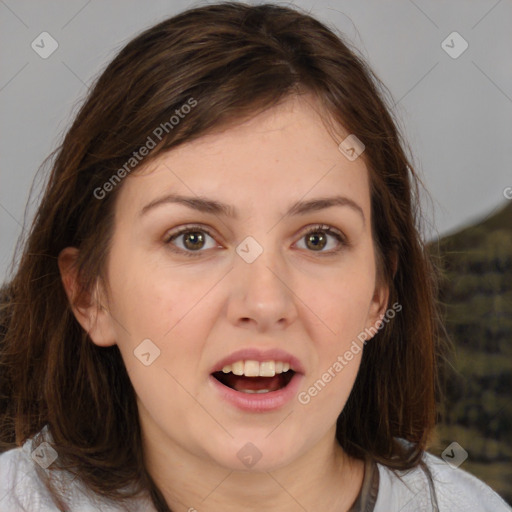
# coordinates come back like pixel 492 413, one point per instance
pixel 245 289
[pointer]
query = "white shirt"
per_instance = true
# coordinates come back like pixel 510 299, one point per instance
pixel 22 489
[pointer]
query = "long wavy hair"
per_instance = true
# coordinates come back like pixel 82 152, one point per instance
pixel 235 60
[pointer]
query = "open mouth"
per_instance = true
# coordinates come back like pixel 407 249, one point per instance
pixel 254 383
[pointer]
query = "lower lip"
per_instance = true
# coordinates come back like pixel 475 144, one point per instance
pixel 259 402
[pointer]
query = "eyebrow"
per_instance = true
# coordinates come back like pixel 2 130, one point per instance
pixel 211 206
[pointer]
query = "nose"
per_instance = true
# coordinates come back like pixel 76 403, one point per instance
pixel 261 293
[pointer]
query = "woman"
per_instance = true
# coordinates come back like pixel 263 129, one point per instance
pixel 224 302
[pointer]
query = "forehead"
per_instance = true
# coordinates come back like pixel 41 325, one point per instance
pixel 284 152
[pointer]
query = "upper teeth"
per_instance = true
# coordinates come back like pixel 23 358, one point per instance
pixel 251 368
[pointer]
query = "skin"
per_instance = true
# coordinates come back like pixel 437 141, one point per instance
pixel 197 310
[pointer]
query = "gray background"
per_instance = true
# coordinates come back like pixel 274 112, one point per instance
pixel 456 113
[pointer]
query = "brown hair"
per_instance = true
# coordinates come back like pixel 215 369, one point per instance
pixel 243 60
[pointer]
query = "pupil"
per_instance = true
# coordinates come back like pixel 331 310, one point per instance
pixel 317 240
pixel 195 238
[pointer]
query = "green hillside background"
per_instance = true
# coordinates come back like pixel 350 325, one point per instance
pixel 476 296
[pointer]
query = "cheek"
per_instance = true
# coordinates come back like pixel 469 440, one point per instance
pixel 166 387
pixel 343 303
pixel 152 300
pixel 344 311
pixel 170 311
pixel 325 394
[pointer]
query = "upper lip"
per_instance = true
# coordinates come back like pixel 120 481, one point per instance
pixel 259 355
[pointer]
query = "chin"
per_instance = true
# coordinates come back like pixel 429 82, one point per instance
pixel 257 453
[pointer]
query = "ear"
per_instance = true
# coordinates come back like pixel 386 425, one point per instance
pixel 380 297
pixel 89 308
pixel 378 307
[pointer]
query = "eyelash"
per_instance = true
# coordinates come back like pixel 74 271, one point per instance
pixel 314 229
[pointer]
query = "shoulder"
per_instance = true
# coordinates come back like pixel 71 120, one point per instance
pixel 454 490
pixel 20 487
pixel 23 471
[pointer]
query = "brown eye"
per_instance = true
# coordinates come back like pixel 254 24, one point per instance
pixel 193 240
pixel 316 240
pixel 190 241
pixel 319 237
